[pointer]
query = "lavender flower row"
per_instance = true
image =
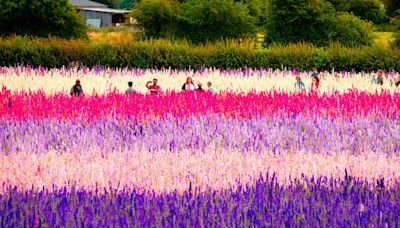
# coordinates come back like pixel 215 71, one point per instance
pixel 321 202
pixel 259 134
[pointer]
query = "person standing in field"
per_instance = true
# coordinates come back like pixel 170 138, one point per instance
pixel 299 85
pixel 210 87
pixel 315 84
pixel 130 90
pixel 200 87
pixel 379 79
pixel 76 90
pixel 189 85
pixel 314 72
pixel 154 88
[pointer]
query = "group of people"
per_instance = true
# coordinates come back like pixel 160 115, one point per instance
pixel 152 86
pixel 299 85
pixel 189 85
pixel 378 79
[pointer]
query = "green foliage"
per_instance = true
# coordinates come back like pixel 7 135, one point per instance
pixel 109 3
pixel 292 21
pixel 210 20
pixel 370 10
pixel 195 20
pixel 161 53
pixel 40 18
pixel 315 21
pixel 391 6
pixel 157 17
pixel 126 4
pixel 349 30
pixel 397 39
pixel 258 9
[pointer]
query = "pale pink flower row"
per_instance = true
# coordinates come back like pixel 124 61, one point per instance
pixel 164 172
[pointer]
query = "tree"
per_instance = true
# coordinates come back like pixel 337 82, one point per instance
pixel 157 17
pixel 315 21
pixel 40 18
pixel 126 4
pixel 350 30
pixel 391 6
pixel 196 20
pixel 109 3
pixel 292 21
pixel 210 20
pixel 370 10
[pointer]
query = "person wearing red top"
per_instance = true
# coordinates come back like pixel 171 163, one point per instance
pixel 154 88
pixel 315 84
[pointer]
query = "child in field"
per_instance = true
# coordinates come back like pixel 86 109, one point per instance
pixel 210 87
pixel 299 85
pixel 315 84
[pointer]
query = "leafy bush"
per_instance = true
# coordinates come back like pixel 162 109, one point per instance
pixel 397 39
pixel 315 21
pixel 157 17
pixel 178 55
pixel 370 10
pixel 40 18
pixel 292 21
pixel 351 30
pixel 197 21
pixel 210 20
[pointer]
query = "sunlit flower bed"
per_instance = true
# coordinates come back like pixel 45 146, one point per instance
pixel 255 153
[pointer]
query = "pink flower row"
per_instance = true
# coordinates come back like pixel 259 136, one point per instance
pixel 36 105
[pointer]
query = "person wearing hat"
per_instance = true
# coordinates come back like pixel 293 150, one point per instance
pixel 76 90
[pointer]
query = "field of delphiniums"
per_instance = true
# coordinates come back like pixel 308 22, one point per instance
pixel 257 151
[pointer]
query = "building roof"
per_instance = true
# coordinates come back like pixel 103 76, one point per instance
pixel 87 4
pixel 106 10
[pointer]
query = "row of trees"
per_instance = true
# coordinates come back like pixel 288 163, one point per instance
pixel 283 21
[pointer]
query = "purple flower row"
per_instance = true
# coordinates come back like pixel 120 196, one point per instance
pixel 322 202
pixel 259 134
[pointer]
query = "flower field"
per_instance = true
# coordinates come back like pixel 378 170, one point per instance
pixel 255 153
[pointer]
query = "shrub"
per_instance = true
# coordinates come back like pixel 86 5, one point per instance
pixel 159 53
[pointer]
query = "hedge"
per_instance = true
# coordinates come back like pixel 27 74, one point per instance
pixel 178 55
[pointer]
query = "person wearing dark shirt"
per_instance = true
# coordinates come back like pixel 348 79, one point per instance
pixel 76 90
pixel 154 88
pixel 200 88
pixel 314 72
